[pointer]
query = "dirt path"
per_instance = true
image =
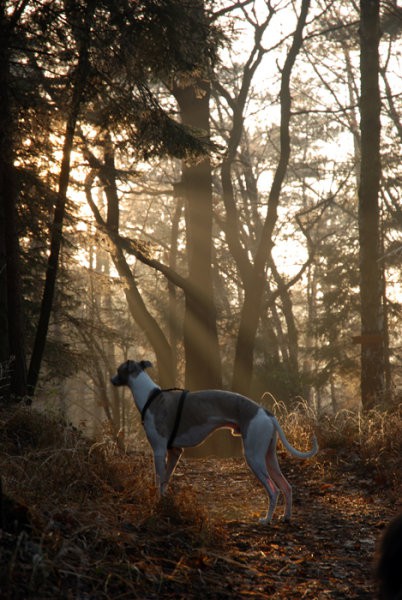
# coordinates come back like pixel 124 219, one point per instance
pixel 327 551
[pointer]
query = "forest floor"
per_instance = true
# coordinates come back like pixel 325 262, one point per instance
pixel 326 552
pixel 81 526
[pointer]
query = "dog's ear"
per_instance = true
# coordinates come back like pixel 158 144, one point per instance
pixel 145 364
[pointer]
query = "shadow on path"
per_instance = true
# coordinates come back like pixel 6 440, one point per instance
pixel 326 552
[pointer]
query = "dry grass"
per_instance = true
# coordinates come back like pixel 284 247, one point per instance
pixel 374 433
pixel 79 520
pixel 372 440
pixel 42 458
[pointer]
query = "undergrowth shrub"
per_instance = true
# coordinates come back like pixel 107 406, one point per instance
pixel 46 462
pixel 298 423
pixel 182 513
pixel 374 438
pixel 91 526
pixel 372 434
pixel 25 428
pixel 41 457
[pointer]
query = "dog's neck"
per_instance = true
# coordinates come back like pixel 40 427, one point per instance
pixel 141 386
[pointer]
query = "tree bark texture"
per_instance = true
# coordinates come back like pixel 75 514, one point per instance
pixel 371 282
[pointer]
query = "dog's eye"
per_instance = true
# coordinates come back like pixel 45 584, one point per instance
pixel 128 368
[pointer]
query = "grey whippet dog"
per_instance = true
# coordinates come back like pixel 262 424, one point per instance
pixel 175 419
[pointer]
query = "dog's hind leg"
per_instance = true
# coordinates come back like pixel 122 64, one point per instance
pixel 254 453
pixel 258 467
pixel 279 479
pixel 256 443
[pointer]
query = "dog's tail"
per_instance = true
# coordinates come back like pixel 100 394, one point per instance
pixel 290 448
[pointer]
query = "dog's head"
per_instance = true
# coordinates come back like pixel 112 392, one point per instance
pixel 130 367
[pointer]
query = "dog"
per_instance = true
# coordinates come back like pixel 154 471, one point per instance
pixel 176 419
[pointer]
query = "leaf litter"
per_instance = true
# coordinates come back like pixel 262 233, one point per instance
pixel 80 521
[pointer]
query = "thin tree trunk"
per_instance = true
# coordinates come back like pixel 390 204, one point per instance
pixel 145 320
pixel 175 321
pixel 59 212
pixel 371 286
pixel 254 288
pixel 292 333
pixel 12 338
pixel 136 304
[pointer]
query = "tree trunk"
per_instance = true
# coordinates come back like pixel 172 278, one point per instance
pixel 4 346
pixel 255 283
pixel 137 307
pixel 12 338
pixel 203 364
pixel 5 166
pixel 371 285
pixel 145 320
pixel 292 333
pixel 174 317
pixel 58 219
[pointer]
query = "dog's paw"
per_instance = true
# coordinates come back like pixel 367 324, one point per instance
pixel 264 521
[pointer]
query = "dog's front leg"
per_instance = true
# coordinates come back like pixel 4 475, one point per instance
pixel 160 471
pixel 165 466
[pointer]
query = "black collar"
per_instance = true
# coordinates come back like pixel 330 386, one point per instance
pixel 152 395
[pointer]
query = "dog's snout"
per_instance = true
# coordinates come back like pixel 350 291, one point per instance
pixel 115 380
